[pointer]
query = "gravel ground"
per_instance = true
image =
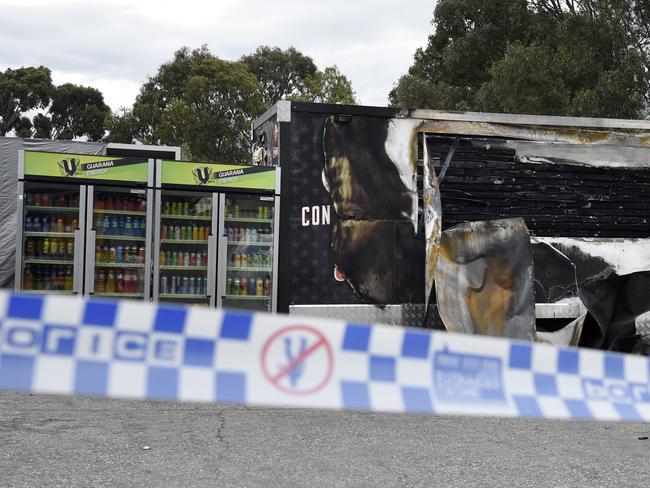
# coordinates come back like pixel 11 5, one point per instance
pixel 63 441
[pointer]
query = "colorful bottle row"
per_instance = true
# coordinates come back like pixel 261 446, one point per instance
pixel 250 286
pixel 238 260
pixel 49 248
pixel 120 226
pixel 183 285
pixel 109 281
pixel 246 234
pixel 185 232
pixel 40 277
pixel 233 211
pixel 52 200
pixel 202 208
pixel 125 204
pixel 50 224
pixel 173 258
pixel 119 254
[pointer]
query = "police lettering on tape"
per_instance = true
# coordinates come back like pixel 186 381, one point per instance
pixel 68 345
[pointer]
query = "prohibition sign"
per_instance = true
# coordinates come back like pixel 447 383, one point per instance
pixel 316 358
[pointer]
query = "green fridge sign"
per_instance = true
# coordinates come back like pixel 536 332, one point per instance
pixel 73 166
pixel 217 175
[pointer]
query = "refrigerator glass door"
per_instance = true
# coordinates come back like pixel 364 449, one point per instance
pixel 184 231
pixel 50 251
pixel 248 239
pixel 117 246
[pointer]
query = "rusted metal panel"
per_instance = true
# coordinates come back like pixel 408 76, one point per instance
pixel 484 279
pixel 506 131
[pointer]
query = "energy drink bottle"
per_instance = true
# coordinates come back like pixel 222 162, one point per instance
pixel 163 286
pixel 136 227
pixel 244 260
pixel 243 287
pixel 119 254
pixel 45 224
pixel 259 287
pixel 251 286
pixel 267 287
pixel 163 232
pixel 110 282
pixel 186 259
pixel 46 248
pixel 101 281
pixel 112 255
pixel 128 227
pixel 192 288
pixel 68 278
pixel 186 285
pixel 70 249
pixel 236 286
pixel 205 285
pixel 166 208
pixel 29 248
pixel 229 286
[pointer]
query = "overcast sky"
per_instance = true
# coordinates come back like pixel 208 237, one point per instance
pixel 114 45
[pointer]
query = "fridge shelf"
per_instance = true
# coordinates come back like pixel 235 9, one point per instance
pixel 246 297
pixel 187 217
pixel 182 241
pixel 47 292
pixel 251 244
pixel 48 261
pixel 184 296
pixel 30 233
pixel 248 268
pixel 40 208
pixel 117 294
pixel 248 219
pixel 181 268
pixel 119 212
pixel 99 264
pixel 120 238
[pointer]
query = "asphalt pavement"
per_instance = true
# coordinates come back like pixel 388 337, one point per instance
pixel 68 442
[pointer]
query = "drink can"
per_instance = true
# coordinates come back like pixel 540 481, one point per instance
pixel 163 286
pixel 174 285
pixel 186 284
pixel 192 290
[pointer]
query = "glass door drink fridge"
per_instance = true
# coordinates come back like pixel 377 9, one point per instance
pixel 68 203
pixel 216 235
pixel 247 264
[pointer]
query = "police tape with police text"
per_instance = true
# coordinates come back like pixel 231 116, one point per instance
pixel 67 345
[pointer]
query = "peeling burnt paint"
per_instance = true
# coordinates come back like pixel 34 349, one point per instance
pixel 370 174
pixel 432 209
pixel 484 282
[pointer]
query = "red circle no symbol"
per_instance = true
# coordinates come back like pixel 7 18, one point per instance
pixel 277 368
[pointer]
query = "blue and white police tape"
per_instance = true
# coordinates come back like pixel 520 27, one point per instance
pixel 69 345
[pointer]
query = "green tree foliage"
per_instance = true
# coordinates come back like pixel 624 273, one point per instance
pixel 562 57
pixel 196 101
pixel 282 74
pixel 22 90
pixel 291 75
pixel 76 111
pixel 328 86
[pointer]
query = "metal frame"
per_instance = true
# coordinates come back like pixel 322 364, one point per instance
pixel 79 243
pixel 89 281
pixel 156 245
pixel 20 219
pixel 222 253
pixel 276 254
pixel 140 147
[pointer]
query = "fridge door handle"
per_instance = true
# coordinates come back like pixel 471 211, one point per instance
pixel 212 251
pixel 77 278
pixel 90 261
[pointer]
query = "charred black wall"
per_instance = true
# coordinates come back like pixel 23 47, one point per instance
pixel 562 200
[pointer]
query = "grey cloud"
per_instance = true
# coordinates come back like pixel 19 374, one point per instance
pixel 372 42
